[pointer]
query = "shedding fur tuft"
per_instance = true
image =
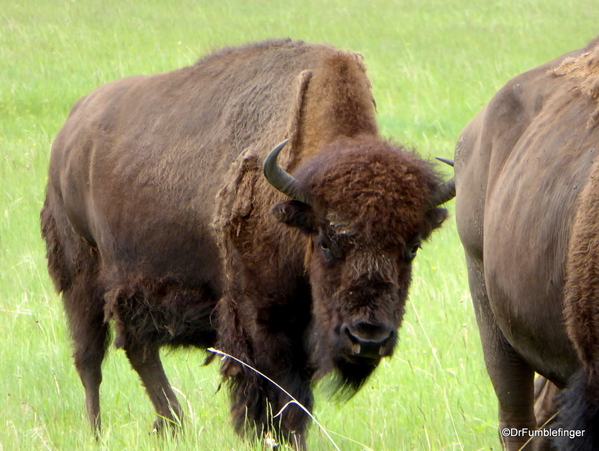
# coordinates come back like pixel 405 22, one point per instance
pixel 584 71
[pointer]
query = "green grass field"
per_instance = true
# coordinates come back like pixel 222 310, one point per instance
pixel 433 65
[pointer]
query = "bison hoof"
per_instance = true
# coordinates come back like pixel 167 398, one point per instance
pixel 166 424
pixel 270 442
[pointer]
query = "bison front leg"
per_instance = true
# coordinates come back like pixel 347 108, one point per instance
pixel 260 407
pixel 277 366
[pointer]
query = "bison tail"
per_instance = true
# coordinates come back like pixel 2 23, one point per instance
pixel 577 424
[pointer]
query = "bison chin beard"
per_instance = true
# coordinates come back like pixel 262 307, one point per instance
pixel 351 373
pixel 346 377
pixel 349 377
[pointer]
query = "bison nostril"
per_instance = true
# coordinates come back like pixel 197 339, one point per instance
pixel 369 332
pixel 368 339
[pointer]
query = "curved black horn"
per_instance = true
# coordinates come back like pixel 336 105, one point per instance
pixel 282 181
pixel 445 160
pixel 444 193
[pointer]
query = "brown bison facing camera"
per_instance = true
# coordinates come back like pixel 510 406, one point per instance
pixel 527 178
pixel 158 216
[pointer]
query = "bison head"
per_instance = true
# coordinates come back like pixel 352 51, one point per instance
pixel 366 205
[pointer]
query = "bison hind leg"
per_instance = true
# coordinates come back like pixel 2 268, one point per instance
pixel 578 407
pixel 73 266
pixel 90 333
pixel 145 360
pixel 88 361
pixel 545 395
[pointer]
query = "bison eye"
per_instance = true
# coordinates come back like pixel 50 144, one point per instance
pixel 326 250
pixel 413 251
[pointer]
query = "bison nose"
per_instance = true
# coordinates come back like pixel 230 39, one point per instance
pixel 368 339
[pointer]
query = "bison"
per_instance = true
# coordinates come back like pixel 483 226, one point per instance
pixel 158 217
pixel 527 212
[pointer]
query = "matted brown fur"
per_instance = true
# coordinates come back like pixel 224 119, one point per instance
pixel 157 218
pixel 581 301
pixel 579 404
pixel 365 180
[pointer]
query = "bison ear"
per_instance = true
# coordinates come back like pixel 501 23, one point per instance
pixel 433 220
pixel 296 214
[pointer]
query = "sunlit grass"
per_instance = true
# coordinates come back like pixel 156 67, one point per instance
pixel 433 65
